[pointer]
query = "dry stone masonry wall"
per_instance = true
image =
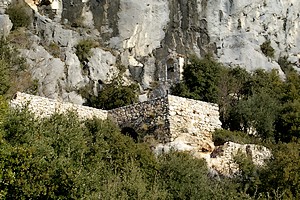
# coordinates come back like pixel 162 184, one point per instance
pixel 192 122
pixel 150 117
pixel 170 119
pixel 44 107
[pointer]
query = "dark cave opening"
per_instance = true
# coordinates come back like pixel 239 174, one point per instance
pixel 130 132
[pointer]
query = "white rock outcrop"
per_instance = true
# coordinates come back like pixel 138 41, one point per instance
pixel 153 39
pixel 222 159
pixel 5 25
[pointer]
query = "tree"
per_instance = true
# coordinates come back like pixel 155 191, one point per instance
pixel 201 78
pixel 281 178
pixel 258 112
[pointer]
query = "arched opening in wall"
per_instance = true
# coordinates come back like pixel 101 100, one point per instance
pixel 130 132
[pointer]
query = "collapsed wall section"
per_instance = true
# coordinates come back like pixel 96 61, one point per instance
pixel 44 107
pixel 146 118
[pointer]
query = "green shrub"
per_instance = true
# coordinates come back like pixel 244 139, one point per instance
pixel 222 136
pixel 19 14
pixel 281 178
pixel 113 96
pixel 83 49
pixel 201 78
pixel 267 49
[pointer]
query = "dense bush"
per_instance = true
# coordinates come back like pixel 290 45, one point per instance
pixel 201 78
pixel 63 158
pixel 5 77
pixel 113 96
pixel 19 14
pixel 83 49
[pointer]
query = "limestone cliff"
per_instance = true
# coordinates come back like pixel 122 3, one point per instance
pixel 152 39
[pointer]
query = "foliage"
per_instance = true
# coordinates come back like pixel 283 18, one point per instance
pixel 259 102
pixel 190 180
pixel 288 124
pixel 279 179
pixel 20 38
pixel 113 96
pixel 83 49
pixel 201 79
pixel 267 49
pixel 282 176
pixel 222 136
pixel 285 64
pixel 258 112
pixel 19 15
pixel 63 158
pixel 13 71
pixel 5 77
pixel 249 177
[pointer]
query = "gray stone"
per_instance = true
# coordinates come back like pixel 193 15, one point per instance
pixel 5 25
pixel 75 78
pixel 102 65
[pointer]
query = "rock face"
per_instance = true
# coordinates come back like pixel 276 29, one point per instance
pixel 152 40
pixel 222 158
pixel 5 25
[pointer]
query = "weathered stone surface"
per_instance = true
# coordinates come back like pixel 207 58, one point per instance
pixel 176 122
pixel 45 107
pixel 3 5
pixel 222 159
pixel 74 71
pixel 147 118
pixel 151 118
pixel 102 65
pixel 47 70
pixel 5 25
pixel 192 122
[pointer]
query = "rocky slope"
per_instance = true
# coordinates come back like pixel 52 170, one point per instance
pixel 152 39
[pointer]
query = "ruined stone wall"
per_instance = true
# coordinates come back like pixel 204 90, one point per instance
pixel 192 123
pixel 44 107
pixel 185 123
pixel 146 118
pixel 194 117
